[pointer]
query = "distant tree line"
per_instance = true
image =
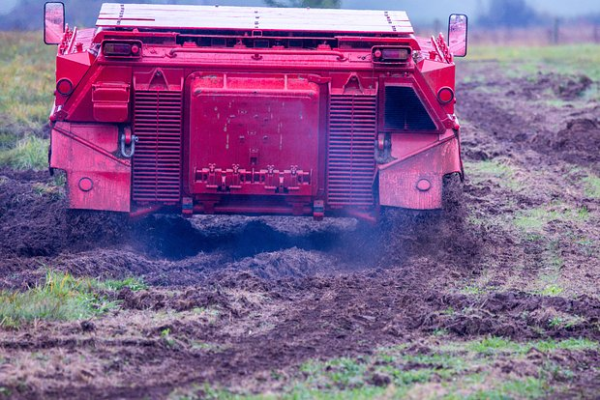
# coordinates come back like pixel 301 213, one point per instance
pixel 509 13
pixel 304 3
pixel 519 14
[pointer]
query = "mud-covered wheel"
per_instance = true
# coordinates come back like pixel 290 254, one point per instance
pixel 421 232
pixel 87 228
pixel 452 207
pixel 452 193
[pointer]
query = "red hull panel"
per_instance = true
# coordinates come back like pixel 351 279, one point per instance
pixel 252 134
pixel 96 178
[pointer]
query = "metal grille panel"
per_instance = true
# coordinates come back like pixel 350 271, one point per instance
pixel 351 150
pixel 157 122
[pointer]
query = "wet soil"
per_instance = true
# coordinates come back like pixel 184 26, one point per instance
pixel 240 297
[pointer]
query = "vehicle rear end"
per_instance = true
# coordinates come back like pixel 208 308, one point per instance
pixel 199 109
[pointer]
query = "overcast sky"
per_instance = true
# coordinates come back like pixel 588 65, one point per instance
pixel 423 9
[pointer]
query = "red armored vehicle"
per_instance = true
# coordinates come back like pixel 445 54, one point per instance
pixel 202 109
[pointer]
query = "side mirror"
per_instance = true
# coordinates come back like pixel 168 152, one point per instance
pixel 458 30
pixel 54 22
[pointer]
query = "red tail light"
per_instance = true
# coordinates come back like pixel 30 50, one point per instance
pixel 121 49
pixel 64 86
pixel 391 54
pixel 445 95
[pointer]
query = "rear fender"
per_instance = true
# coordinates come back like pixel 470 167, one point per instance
pixel 416 181
pixel 97 179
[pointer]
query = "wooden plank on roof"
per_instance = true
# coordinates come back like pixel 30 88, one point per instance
pixel 167 16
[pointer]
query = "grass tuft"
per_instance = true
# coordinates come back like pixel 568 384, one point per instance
pixel 135 284
pixel 29 153
pixel 60 297
pixel 591 186
pixel 493 345
pixel 552 290
pixel 499 170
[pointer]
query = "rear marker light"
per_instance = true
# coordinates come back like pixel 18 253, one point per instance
pixel 64 87
pixel 395 54
pixel 445 95
pixel 121 49
pixel 391 54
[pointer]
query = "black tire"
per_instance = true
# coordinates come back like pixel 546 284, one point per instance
pixel 87 229
pixel 406 233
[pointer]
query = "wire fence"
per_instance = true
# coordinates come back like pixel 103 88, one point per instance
pixel 554 33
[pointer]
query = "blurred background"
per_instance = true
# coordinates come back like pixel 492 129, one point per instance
pixel 528 22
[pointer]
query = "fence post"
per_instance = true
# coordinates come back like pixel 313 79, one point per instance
pixel 556 31
pixel 437 27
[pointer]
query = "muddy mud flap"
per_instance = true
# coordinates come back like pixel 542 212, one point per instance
pixel 416 182
pixel 96 178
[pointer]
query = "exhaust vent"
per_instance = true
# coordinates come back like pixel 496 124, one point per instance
pixel 405 111
pixel 157 122
pixel 351 150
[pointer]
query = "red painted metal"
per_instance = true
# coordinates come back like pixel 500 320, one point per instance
pixel 244 133
pixel 96 178
pixel 253 110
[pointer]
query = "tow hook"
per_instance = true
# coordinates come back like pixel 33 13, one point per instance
pixel 128 140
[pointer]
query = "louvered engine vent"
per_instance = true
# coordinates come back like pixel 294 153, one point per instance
pixel 157 160
pixel 405 111
pixel 351 150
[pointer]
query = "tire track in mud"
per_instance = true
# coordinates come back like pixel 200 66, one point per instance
pixel 315 318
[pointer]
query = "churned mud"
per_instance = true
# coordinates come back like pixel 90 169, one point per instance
pixel 232 299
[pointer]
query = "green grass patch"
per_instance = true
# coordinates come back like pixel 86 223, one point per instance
pixel 527 60
pixel 29 153
pixel 8 141
pixel 60 297
pixel 26 82
pixel 26 96
pixel 205 346
pixel 454 370
pixel 528 388
pixel 494 345
pixel 491 168
pixel 551 290
pixel 472 290
pixel 135 284
pixel 497 170
pixel 535 220
pixel 591 186
pixel 565 321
